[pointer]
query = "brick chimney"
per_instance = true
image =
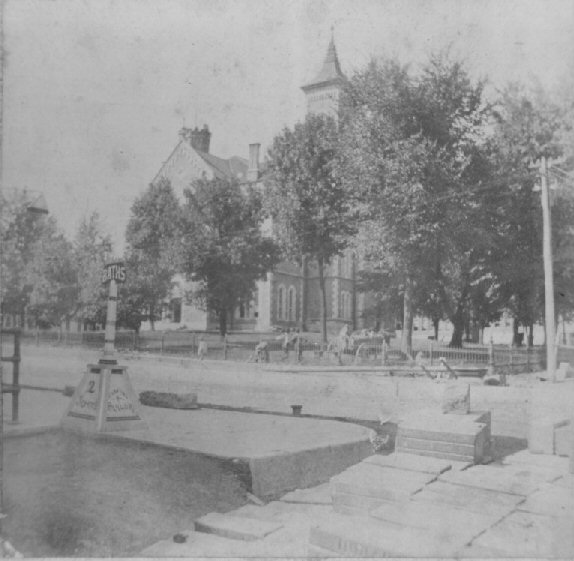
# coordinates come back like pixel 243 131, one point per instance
pixel 198 138
pixel 253 170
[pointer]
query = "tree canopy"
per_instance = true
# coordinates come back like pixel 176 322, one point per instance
pixel 153 237
pixel 224 249
pixel 312 213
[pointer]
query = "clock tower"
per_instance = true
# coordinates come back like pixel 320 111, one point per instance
pixel 324 90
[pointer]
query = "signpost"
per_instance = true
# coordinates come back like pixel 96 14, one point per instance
pixel 114 273
pixel 105 400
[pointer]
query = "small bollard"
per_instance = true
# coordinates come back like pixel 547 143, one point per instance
pixel 296 410
pixel 69 391
pixel 180 538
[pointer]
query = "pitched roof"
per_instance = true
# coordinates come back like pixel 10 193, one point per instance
pixel 234 167
pixel 331 70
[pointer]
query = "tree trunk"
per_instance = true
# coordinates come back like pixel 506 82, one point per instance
pixel 530 334
pixel 323 296
pixel 303 324
pixel 435 324
pixel 408 317
pixel 458 327
pixel 222 318
pixel 515 324
pixel 475 331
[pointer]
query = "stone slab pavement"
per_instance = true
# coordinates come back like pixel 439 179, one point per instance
pixel 466 519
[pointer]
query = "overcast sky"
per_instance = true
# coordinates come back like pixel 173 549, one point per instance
pixel 97 90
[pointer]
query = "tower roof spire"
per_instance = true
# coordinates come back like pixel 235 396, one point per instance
pixel 331 69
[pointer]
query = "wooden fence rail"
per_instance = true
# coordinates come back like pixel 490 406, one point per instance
pixel 13 388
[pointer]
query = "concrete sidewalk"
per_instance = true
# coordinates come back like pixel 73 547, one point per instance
pixel 279 453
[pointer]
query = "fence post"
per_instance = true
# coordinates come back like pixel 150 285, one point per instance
pixel 162 342
pixel 16 377
pixel 490 370
pixel 298 348
pixel 430 350
pixel 384 354
pixel 225 347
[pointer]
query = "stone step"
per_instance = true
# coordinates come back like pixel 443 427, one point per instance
pixel 550 500
pixel 440 520
pixel 315 495
pixel 465 451
pixel 366 537
pixel 543 460
pixel 481 501
pixel 349 503
pixel 235 527
pixel 379 482
pixel 466 436
pixel 523 534
pixel 458 458
pixel 521 481
pixel 410 462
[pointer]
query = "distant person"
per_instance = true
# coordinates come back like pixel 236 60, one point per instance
pixel 286 341
pixel 202 348
pixel 262 352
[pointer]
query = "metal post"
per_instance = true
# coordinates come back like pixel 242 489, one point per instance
pixel 548 273
pixel 16 378
pixel 110 333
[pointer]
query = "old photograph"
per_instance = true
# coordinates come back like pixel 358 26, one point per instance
pixel 287 279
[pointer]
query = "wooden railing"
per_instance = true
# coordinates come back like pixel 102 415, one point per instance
pixel 15 358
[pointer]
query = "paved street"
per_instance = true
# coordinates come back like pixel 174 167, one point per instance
pixel 359 395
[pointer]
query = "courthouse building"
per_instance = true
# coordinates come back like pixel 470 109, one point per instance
pixel 289 296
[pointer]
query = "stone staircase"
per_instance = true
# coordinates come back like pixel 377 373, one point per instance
pixel 402 505
pixel 460 438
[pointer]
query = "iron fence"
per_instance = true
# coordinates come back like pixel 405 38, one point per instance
pixel 305 348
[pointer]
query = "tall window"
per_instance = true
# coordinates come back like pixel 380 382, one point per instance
pixel 345 305
pixel 280 302
pixel 291 303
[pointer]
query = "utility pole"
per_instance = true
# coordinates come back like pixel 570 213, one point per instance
pixel 548 273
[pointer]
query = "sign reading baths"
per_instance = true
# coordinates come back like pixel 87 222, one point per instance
pixel 114 271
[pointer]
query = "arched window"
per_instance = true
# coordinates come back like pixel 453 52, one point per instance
pixel 291 303
pixel 280 302
pixel 346 305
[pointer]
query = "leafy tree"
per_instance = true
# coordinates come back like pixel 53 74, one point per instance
pixel 311 211
pixel 91 249
pixel 153 236
pixel 527 127
pixel 416 151
pixel 384 160
pixel 224 250
pixel 52 276
pixel 19 232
